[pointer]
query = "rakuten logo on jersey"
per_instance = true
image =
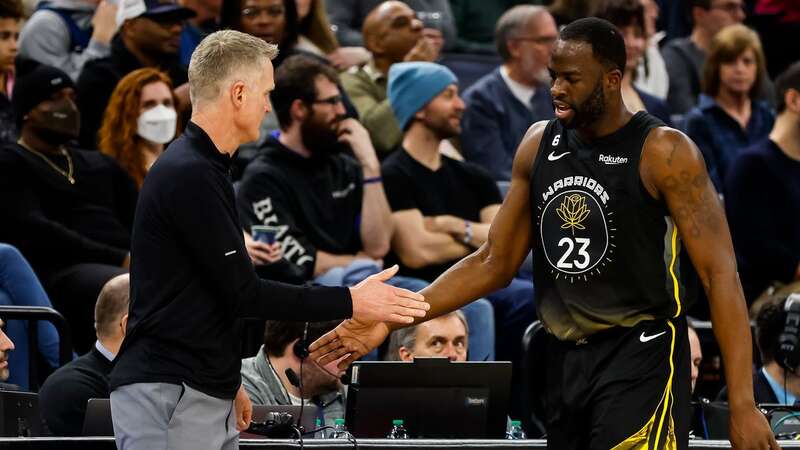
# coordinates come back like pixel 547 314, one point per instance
pixel 612 160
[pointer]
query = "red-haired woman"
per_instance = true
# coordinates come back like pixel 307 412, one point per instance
pixel 140 119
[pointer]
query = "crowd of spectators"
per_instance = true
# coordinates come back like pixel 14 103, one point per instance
pixel 394 129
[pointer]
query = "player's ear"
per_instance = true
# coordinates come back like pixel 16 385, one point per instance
pixel 613 79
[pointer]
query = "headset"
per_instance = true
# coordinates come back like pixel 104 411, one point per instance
pixel 301 346
pixel 789 340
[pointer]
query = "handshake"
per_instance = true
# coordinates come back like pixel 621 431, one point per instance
pixel 375 306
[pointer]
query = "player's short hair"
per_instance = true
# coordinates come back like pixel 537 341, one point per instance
pixel 789 79
pixel 608 45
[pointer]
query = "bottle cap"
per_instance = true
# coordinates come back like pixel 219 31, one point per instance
pixel 338 422
pixel 516 423
pixel 397 422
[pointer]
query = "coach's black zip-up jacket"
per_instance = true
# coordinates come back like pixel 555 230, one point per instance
pixel 191 277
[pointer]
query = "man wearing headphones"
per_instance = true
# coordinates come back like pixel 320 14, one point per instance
pixel 778 341
pixel 274 375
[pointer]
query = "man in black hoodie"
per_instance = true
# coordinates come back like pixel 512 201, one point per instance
pixel 177 373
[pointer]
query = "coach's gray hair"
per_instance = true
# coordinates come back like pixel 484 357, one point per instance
pixel 221 55
pixel 407 337
pixel 510 25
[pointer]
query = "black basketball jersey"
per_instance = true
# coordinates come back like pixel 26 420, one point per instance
pixel 606 253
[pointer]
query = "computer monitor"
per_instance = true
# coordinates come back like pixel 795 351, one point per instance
pixel 97 419
pixel 436 398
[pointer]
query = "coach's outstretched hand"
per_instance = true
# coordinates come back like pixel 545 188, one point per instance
pixel 376 301
pixel 750 430
pixel 352 338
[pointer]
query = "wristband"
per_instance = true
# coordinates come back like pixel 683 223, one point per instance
pixel 467 232
pixel 373 180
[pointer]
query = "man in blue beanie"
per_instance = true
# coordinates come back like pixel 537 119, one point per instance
pixel 441 207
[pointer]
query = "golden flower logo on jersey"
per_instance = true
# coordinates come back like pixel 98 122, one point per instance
pixel 573 211
pixel 576 228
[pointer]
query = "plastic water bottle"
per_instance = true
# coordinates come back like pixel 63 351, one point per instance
pixel 515 431
pixel 398 430
pixel 317 426
pixel 339 430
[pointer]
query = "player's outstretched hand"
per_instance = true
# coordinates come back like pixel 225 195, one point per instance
pixel 352 338
pixel 376 301
pixel 750 430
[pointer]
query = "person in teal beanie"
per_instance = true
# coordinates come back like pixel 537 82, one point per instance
pixel 414 84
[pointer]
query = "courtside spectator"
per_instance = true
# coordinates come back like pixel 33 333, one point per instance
pixel 10 16
pixel 196 28
pixel 69 211
pixel 773 382
pixel 64 395
pixel 696 354
pixel 349 16
pixel 442 208
pixel 685 56
pixel 6 346
pixel 20 287
pixel 148 37
pixel 317 36
pixel 265 378
pixel 762 197
pixel 502 105
pixel 567 11
pixel 139 121
pixel 629 17
pixel 444 336
pixel 729 117
pixel 69 33
pixel 393 33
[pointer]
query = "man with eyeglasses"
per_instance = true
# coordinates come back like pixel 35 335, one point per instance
pixel 149 36
pixel 503 104
pixel 685 56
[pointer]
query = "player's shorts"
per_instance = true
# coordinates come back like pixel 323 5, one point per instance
pixel 623 388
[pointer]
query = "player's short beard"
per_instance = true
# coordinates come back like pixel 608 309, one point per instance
pixel 590 110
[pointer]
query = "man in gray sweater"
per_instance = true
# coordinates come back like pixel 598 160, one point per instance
pixel 68 33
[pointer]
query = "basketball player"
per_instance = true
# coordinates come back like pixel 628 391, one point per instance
pixel 611 203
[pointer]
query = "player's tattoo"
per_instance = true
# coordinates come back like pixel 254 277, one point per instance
pixel 696 212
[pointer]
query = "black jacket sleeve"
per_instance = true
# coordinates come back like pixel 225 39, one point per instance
pixel 212 234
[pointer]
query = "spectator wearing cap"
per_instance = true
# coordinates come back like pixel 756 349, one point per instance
pixel 69 33
pixel 502 105
pixel 149 36
pixel 64 394
pixel 393 34
pixel 442 208
pixel 69 211
pixel 10 16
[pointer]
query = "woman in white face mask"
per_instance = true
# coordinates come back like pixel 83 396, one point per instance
pixel 139 121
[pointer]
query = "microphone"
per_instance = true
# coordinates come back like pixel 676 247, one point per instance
pixel 292 377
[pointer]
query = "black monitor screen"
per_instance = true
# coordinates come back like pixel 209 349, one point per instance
pixel 434 397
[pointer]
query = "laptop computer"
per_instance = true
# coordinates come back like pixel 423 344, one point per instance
pixel 97 420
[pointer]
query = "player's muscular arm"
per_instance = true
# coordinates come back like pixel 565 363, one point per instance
pixel 672 169
pixel 494 264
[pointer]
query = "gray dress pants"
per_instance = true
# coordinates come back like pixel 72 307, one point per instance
pixel 162 416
